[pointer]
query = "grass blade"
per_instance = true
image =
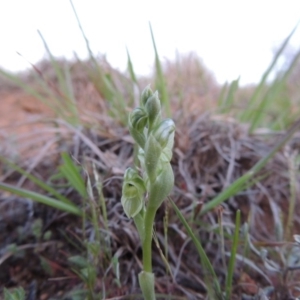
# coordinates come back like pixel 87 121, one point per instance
pixel 27 88
pixel 160 79
pixel 37 181
pixel 271 95
pixel 103 82
pixel 55 65
pixel 66 95
pixel 71 172
pixel 130 68
pixel 204 259
pixel 41 199
pixel 233 255
pixel 239 184
pixel 228 102
pixel 248 114
pixel 221 99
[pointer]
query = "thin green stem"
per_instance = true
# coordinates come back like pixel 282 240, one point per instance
pixel 147 243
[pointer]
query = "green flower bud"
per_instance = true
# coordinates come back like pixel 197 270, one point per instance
pixel 146 94
pixel 146 280
pixel 138 137
pixel 164 133
pixel 137 121
pixel 132 193
pixel 162 186
pixel 138 118
pixel 153 109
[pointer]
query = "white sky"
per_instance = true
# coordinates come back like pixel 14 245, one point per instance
pixel 232 37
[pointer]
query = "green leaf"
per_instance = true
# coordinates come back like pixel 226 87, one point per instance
pixel 146 280
pixel 79 261
pixel 162 186
pixel 15 294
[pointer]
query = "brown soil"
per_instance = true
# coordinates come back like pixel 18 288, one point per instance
pixel 17 110
pixel 21 119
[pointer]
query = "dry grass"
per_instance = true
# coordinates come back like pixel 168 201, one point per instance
pixel 210 153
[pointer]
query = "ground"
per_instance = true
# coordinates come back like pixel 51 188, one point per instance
pixel 209 154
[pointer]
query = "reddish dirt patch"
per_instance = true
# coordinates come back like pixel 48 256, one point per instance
pixel 17 110
pixel 20 120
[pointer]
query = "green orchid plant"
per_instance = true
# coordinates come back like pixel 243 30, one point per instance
pixel 143 192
